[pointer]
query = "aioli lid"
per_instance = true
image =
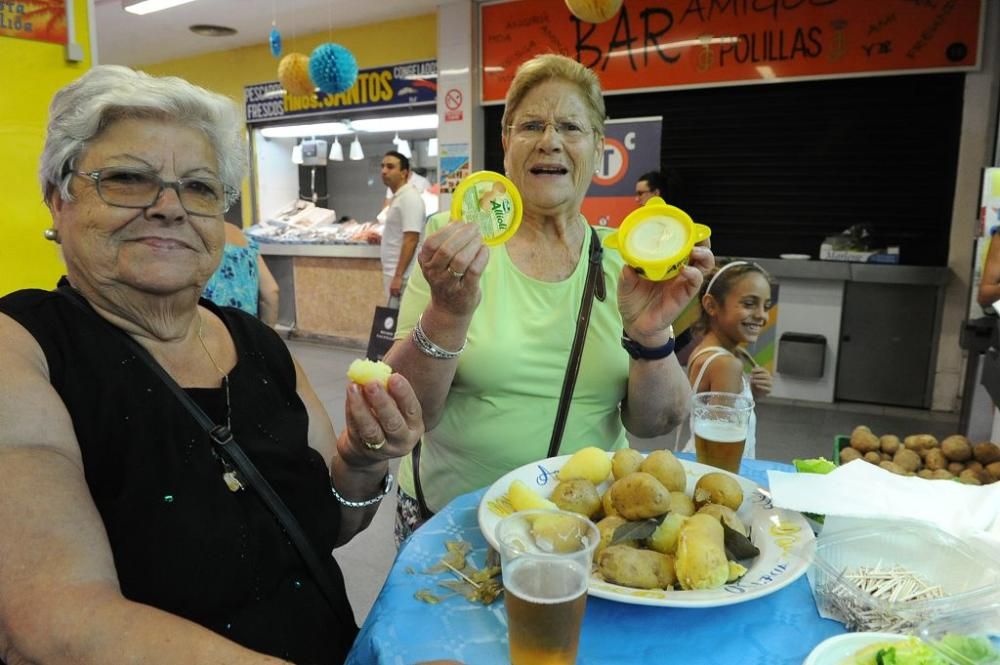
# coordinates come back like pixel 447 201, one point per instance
pixel 491 201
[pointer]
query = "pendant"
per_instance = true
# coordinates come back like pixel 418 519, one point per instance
pixel 232 481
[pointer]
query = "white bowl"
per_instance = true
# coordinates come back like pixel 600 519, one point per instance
pixel 833 650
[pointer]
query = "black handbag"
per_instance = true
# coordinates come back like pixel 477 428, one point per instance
pixel 234 456
pixel 594 287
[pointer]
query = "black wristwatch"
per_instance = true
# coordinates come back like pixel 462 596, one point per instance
pixel 640 352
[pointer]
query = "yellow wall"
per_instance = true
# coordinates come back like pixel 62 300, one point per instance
pixel 374 45
pixel 33 71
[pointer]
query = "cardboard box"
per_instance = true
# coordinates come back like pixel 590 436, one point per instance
pixel 828 253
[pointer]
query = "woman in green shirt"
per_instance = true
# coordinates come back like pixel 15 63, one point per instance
pixel 511 311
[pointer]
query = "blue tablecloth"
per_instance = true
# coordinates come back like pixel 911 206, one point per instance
pixel 777 629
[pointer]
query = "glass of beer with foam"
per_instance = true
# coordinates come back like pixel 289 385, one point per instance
pixel 719 422
pixel 546 558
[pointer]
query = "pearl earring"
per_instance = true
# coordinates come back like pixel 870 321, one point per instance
pixel 51 234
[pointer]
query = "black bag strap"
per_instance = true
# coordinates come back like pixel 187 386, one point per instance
pixel 594 287
pixel 231 451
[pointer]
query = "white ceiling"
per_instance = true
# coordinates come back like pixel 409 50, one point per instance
pixel 127 39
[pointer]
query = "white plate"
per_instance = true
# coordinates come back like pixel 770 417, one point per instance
pixel 784 538
pixel 835 650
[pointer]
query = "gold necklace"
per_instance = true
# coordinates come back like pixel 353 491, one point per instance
pixel 229 475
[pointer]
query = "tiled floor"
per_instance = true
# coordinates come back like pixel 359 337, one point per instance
pixel 785 430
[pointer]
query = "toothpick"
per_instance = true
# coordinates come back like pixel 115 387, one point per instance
pixel 460 574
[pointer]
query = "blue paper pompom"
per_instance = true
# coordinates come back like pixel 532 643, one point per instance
pixel 275 41
pixel 333 68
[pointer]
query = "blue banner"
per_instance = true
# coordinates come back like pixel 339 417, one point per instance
pixel 407 84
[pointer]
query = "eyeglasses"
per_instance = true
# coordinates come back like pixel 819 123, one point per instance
pixel 136 188
pixel 535 129
pixel 640 193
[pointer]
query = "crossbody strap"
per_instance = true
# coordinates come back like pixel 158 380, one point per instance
pixel 231 451
pixel 593 288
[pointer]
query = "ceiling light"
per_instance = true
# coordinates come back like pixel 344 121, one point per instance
pixel 356 152
pixel 141 7
pixel 336 150
pixel 432 147
pixel 317 129
pixel 397 124
pixel 207 30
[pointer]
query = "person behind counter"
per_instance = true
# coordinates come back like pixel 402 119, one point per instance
pixel 404 224
pixel 125 537
pixel 734 303
pixel 484 336
pixel 242 279
pixel 649 185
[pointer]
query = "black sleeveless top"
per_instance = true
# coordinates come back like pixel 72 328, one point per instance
pixel 181 540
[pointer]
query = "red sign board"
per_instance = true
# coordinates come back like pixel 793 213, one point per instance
pixel 41 20
pixel 691 43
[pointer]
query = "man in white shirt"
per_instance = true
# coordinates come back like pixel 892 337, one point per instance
pixel 404 223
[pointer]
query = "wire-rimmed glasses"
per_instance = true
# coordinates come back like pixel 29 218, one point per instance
pixel 139 188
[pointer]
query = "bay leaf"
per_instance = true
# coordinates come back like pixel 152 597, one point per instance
pixel 738 546
pixel 636 530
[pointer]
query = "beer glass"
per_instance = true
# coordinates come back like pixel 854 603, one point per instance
pixel 545 556
pixel 719 422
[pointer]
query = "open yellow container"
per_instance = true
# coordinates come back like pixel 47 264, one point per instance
pixel 657 239
pixel 491 201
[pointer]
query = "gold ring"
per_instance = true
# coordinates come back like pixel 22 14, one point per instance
pixel 456 275
pixel 373 446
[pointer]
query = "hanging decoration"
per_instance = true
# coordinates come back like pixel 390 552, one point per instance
pixel 274 39
pixel 333 68
pixel 593 11
pixel 293 73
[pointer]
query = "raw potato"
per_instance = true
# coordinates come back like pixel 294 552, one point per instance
pixel 662 465
pixel 590 463
pixel 363 371
pixel 920 441
pixel 849 454
pixel 725 515
pixel 974 465
pixel 681 504
pixel 577 496
pixel 664 539
pixel 718 488
pixel 986 453
pixel 894 468
pixel 993 468
pixel 956 468
pixel 873 457
pixel 969 477
pixel 942 474
pixel 863 440
pixel 701 556
pixel 889 443
pixel 640 495
pixel 925 473
pixel 625 461
pixel 606 528
pixel 935 459
pixel 639 569
pixel 907 460
pixel 956 448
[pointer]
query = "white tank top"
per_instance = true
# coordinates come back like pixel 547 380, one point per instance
pixel 750 449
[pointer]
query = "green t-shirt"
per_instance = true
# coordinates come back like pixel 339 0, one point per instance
pixel 501 406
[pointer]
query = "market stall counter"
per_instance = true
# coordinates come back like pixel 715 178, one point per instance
pixel 780 627
pixel 328 292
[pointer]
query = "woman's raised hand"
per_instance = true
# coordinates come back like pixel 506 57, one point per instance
pixel 452 260
pixel 648 307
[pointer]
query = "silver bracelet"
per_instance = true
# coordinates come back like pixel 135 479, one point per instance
pixel 386 488
pixel 429 348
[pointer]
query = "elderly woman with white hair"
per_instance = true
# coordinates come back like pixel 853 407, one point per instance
pixel 171 488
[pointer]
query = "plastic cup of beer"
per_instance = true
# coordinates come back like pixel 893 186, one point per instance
pixel 719 422
pixel 545 556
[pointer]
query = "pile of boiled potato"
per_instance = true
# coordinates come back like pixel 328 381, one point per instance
pixel 686 549
pixel 923 455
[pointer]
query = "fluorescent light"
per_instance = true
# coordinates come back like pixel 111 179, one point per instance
pixel 432 147
pixel 396 124
pixel 149 6
pixel 317 129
